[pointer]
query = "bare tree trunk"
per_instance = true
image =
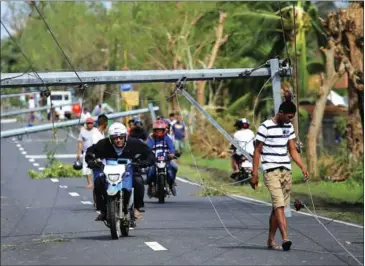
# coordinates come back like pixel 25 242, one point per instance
pixel 117 98
pixel 355 123
pixel 355 141
pixel 331 78
pixel 220 40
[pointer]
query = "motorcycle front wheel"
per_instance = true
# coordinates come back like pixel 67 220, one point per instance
pixel 113 214
pixel 161 188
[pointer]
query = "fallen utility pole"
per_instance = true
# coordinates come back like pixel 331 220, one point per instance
pixel 135 76
pixel 4 96
pixel 24 111
pixel 70 123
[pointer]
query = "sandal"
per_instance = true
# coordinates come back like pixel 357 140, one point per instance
pixel 286 245
pixel 273 246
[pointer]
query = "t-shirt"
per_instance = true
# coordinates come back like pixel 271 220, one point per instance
pixel 31 104
pixel 178 130
pixel 86 136
pixel 85 116
pixel 275 138
pixel 162 146
pixel 245 137
pixel 97 135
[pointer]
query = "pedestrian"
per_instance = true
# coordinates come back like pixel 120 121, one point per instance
pixel 85 114
pixel 275 137
pixel 179 132
pixel 99 134
pixel 85 140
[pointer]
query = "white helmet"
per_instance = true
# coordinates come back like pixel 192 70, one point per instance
pixel 245 121
pixel 117 129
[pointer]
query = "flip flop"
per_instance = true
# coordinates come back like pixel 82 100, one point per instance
pixel 274 246
pixel 286 245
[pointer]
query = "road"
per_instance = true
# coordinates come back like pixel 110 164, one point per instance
pixel 51 222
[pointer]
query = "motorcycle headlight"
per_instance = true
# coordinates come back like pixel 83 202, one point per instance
pixel 113 177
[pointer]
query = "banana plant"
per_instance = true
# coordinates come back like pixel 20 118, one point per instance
pixel 279 23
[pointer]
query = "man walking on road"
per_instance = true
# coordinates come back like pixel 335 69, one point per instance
pixel 85 140
pixel 179 131
pixel 273 140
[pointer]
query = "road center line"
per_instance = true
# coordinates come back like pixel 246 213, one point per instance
pixel 36 164
pixel 31 160
pixel 59 156
pixel 86 202
pixel 155 246
pixel 55 180
pixel 74 194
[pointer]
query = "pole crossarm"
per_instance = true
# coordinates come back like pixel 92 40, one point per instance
pixel 4 96
pixel 134 76
pixel 70 123
pixel 24 111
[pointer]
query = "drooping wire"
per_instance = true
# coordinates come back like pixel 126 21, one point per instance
pixel 294 84
pixel 18 76
pixel 55 39
pixel 329 232
pixel 82 85
pixel 34 71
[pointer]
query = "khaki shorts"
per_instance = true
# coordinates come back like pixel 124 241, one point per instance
pixel 279 184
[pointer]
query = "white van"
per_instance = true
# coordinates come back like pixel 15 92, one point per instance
pixel 58 98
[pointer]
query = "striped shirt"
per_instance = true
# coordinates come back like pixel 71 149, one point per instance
pixel 275 138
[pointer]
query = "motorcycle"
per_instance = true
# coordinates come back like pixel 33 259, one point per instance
pixel 161 188
pixel 116 177
pixel 244 173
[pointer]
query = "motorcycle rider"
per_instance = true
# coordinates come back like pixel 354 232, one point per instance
pixel 161 144
pixel 118 145
pixel 138 131
pixel 245 137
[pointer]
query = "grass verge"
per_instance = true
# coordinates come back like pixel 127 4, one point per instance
pixel 341 201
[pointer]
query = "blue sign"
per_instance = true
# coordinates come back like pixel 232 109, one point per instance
pixel 125 87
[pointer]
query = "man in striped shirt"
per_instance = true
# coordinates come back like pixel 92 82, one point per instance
pixel 275 137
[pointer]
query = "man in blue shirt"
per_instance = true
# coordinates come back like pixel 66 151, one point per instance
pixel 179 132
pixel 161 144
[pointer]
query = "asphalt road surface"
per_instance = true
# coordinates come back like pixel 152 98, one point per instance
pixel 51 222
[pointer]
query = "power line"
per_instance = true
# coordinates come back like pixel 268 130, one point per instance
pixel 30 67
pixel 55 39
pixel 82 86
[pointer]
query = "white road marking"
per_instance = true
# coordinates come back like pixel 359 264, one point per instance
pixel 21 148
pixel 13 139
pixel 87 202
pixel 41 168
pixel 155 246
pixel 5 121
pixel 24 152
pixel 36 164
pixel 63 186
pixel 74 194
pixel 58 156
pixel 55 180
pixel 269 204
pixel 98 212
pixel 31 160
pixel 18 145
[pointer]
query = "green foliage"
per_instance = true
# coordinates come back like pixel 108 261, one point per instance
pixel 57 169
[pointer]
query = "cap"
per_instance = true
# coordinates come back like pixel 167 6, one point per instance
pixel 89 120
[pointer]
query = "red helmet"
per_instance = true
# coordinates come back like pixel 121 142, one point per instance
pixel 159 124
